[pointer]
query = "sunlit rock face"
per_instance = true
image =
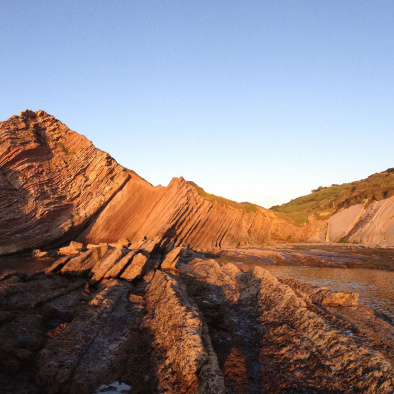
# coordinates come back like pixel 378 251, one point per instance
pixel 55 186
pixel 364 223
pixel 52 181
pixel 178 213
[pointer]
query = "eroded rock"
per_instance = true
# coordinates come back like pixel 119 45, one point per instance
pixel 322 295
pixel 184 364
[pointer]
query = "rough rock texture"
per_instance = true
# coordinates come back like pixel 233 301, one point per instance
pixel 171 259
pixel 54 184
pixel 52 181
pixel 178 214
pixel 204 327
pixel 178 329
pixel 269 340
pixel 137 268
pixel 321 295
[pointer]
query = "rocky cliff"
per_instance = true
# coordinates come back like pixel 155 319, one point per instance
pixel 56 186
pixel 52 181
pixel 368 223
pixel 177 212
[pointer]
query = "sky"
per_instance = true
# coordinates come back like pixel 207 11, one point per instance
pixel 257 101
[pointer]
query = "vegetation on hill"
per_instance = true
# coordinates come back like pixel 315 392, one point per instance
pixel 244 206
pixel 325 201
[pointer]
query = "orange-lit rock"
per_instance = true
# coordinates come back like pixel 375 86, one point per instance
pixel 52 181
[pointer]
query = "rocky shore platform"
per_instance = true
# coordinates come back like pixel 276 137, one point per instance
pixel 322 255
pixel 149 317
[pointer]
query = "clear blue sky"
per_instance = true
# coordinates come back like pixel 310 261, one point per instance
pixel 256 101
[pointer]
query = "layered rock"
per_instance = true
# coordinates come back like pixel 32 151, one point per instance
pixel 268 339
pixel 177 326
pixel 54 184
pixel 52 181
pixel 180 215
pixel 321 295
pixel 204 327
pixel 364 223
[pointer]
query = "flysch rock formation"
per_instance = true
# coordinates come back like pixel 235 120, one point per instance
pixel 197 327
pixel 55 186
pixel 362 223
pixel 179 214
pixel 52 181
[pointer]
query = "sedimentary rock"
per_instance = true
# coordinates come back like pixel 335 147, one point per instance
pixel 121 265
pixel 204 327
pixel 171 259
pixel 54 184
pixel 322 295
pixel 178 329
pixel 177 213
pixel 137 268
pixel 106 263
pixel 62 368
pixel 277 339
pixel 364 223
pixel 52 181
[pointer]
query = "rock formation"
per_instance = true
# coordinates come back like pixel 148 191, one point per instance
pixel 202 327
pixel 178 213
pixel 364 223
pixel 55 186
pixel 52 181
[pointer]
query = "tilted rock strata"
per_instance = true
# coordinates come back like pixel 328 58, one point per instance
pixel 343 364
pixel 180 215
pixel 52 181
pixel 321 295
pixel 276 338
pixel 373 224
pixel 210 327
pixel 177 326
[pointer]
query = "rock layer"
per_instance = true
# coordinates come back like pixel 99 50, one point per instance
pixel 372 224
pixel 178 214
pixel 204 327
pixel 54 184
pixel 52 181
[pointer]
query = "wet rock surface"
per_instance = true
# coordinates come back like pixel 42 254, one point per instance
pixel 111 317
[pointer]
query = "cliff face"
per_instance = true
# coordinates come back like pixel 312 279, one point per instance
pixel 55 186
pixel 364 224
pixel 52 181
pixel 178 213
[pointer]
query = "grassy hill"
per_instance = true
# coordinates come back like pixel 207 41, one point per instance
pixel 325 201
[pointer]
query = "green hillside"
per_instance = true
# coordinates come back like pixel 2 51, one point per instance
pixel 325 201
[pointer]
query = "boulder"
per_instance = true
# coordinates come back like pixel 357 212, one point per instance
pixel 171 259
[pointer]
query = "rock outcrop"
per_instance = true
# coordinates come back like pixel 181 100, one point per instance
pixel 364 223
pixel 55 186
pixel 321 295
pixel 180 215
pixel 52 181
pixel 203 327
